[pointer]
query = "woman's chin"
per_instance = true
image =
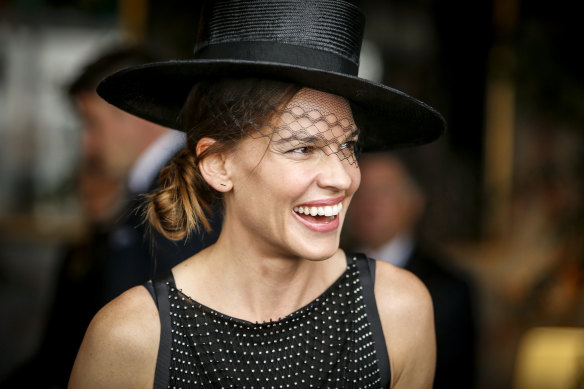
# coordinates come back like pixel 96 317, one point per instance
pixel 320 253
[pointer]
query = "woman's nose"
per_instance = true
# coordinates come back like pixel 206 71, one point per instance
pixel 334 174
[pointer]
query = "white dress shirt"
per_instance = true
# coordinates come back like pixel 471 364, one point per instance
pixel 396 251
pixel 148 165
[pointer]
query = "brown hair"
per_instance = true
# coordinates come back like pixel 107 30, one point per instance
pixel 224 110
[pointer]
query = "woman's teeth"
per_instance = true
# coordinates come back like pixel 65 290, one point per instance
pixel 329 210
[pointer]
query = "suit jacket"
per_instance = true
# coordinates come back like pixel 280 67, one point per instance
pixel 134 253
pixel 453 299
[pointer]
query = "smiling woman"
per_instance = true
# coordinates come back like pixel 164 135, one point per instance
pixel 275 117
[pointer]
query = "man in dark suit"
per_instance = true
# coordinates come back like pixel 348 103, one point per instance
pixel 121 158
pixel 132 150
pixel 382 223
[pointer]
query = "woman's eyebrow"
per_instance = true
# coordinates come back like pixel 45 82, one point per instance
pixel 348 135
pixel 303 138
pixel 354 133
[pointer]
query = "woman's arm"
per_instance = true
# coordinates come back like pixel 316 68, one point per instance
pixel 407 318
pixel 120 346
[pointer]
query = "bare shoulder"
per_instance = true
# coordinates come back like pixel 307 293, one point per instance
pixel 407 318
pixel 397 289
pixel 121 344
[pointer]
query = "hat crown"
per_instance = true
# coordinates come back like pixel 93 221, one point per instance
pixel 331 30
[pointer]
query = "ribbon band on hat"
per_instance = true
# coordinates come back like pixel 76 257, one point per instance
pixel 280 53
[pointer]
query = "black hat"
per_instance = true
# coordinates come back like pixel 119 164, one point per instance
pixel 313 43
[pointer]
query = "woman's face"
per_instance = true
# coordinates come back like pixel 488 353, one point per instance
pixel 291 190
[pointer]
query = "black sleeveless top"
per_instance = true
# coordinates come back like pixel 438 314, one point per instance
pixel 335 341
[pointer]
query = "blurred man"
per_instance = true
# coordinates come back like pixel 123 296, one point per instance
pixel 124 147
pixel 121 158
pixel 133 150
pixel 382 223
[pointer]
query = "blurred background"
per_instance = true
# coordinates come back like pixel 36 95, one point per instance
pixel 505 184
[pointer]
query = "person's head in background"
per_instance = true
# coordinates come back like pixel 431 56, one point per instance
pixel 388 204
pixel 100 195
pixel 112 139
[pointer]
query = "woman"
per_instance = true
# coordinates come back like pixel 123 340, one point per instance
pixel 274 114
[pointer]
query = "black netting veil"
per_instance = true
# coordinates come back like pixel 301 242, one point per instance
pixel 311 121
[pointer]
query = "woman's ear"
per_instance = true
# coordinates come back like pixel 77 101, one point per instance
pixel 213 167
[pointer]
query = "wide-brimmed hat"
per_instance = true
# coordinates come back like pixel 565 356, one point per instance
pixel 314 43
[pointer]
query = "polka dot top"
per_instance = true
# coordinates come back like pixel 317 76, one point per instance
pixel 328 343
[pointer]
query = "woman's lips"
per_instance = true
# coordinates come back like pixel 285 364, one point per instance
pixel 321 218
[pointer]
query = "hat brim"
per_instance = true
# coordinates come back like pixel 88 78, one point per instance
pixel 388 118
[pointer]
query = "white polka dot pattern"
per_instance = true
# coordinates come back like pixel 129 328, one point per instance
pixel 326 344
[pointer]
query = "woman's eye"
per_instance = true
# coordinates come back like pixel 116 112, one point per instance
pixel 350 145
pixel 302 150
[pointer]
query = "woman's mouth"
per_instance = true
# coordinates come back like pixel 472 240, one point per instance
pixel 319 218
pixel 328 210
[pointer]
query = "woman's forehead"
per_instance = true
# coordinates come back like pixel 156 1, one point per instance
pixel 320 103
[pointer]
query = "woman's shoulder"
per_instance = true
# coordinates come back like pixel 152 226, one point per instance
pixel 132 310
pixel 401 294
pixel 121 344
pixel 407 318
pixel 400 286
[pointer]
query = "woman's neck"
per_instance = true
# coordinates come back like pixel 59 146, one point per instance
pixel 244 284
